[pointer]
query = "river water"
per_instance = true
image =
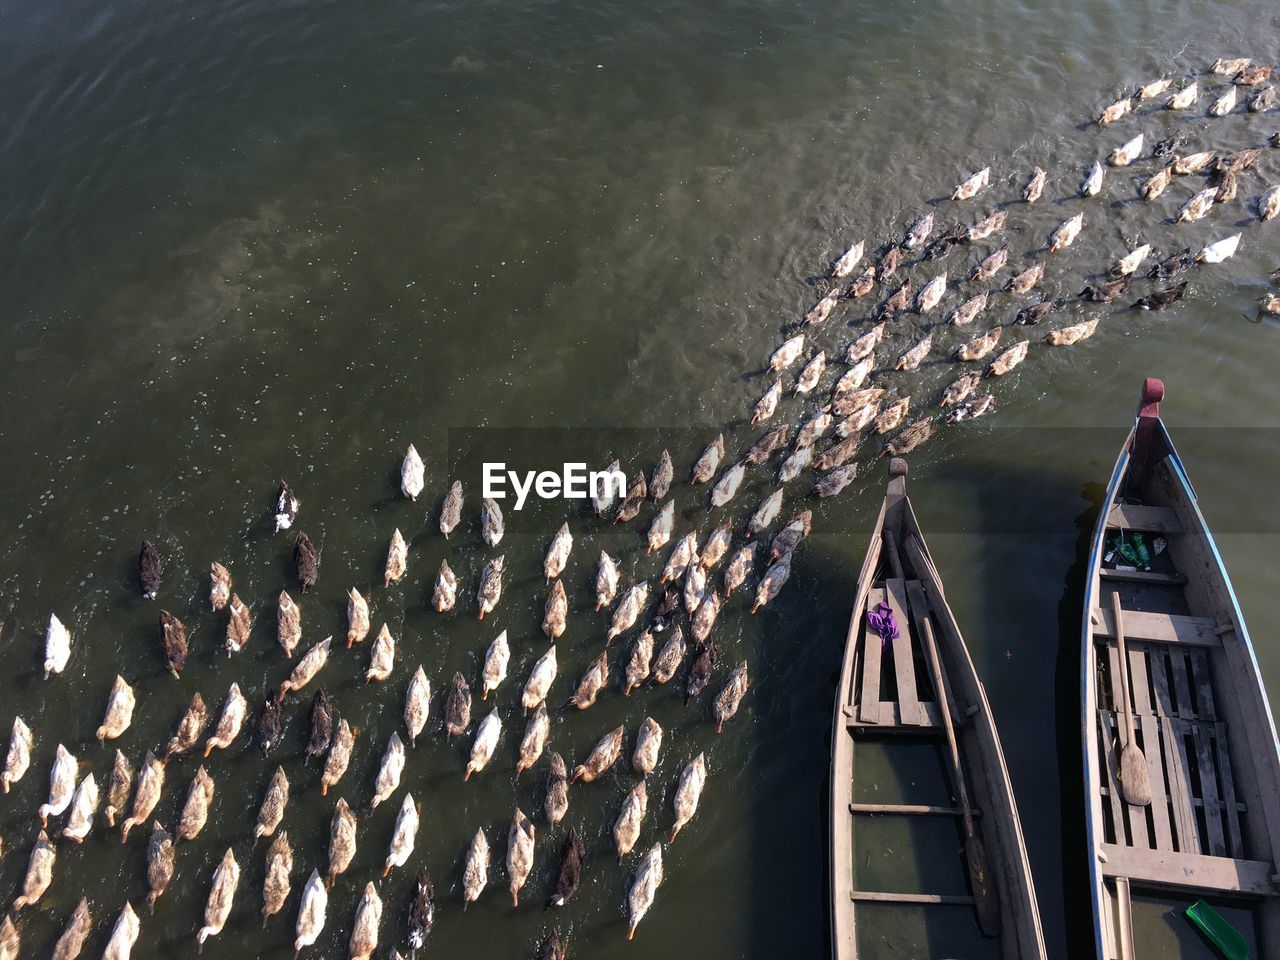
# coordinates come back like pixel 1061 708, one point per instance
pixel 284 240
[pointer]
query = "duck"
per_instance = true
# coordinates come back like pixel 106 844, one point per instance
pixel 892 415
pixel 149 571
pixel 659 531
pixel 1197 206
pixel 229 723
pixel 83 806
pixel 306 560
pixel 648 744
pixel 1170 145
pixel 569 872
pixel 1073 334
pixel 195 811
pixel 270 723
pixel 1036 312
pixel 692 779
pixel 887 266
pixel 457 706
pixel 972 409
pixel 606 581
pixel 730 696
pixel 239 625
pixel 412 473
pixel 771 583
pixel 1106 292
pixel 1126 153
pixel 62 784
pixel 859 350
pixel 273 804
pixel 276 885
pixel 1229 67
pixel 644 888
pixel 445 592
pixel 417 704
pixel 558 552
pixel 490 590
pixel 897 302
pixel 814 428
pixel 556 611
pixel 822 309
pixel 1155 185
pixel 1066 233
pixel 637 670
pixel 381 656
pixel 119 786
pixel 848 260
pixel 1262 101
pixel 71 943
pixel 767 405
pixel 492 527
pixel 735 574
pixel 695 585
pixel 311 664
pixel 339 756
pixel 1092 184
pixel 57 647
pixel 699 671
pixel 18 759
pixel 704 617
pixel 1219 250
pixel 1008 360
pixel 626 829
pixel 146 796
pixel 475 872
pixel 323 716
pixel 717 546
pixel 540 679
pixel 918 232
pixel 189 728
pixel 288 623
pixel 123 935
pixel 851 427
pixel 853 378
pixel 628 610
pixel 342 840
pixel 1193 162
pixel 979 346
pixel 637 493
pixel 159 864
pixel 765 514
pixel 311 912
pixel 1149 91
pixel 364 929
pixel 535 738
pixel 1115 111
pixel 1184 97
pixel 1026 280
pixel 987 227
pixel 604 495
pixel 811 374
pixel 836 480
pixel 592 682
pixel 422 912
pixel 357 617
pixel 1228 186
pixel 1270 304
pixel 402 836
pixel 519 853
pixel 602 757
pixel 556 803
pixel 1170 267
pixel 10 940
pixel 942 244
pixel 987 269
pixel 218 908
pixel 911 436
pixel 39 872
pixel 1129 263
pixel 855 402
pixel 1224 104
pixel 451 509
pixel 219 586
pixel 914 356
pixel 960 389
pixel 483 745
pixel 173 641
pixel 970 186
pixel 389 773
pixel 287 507
pixel 664 473
pixel 1252 76
pixel 786 354
pixel 1034 189
pixel 397 559
pixel 789 537
pixel 1269 204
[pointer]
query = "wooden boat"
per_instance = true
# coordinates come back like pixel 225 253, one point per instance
pixel 1206 757
pixel 889 692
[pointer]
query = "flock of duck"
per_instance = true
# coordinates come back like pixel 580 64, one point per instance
pixel 865 402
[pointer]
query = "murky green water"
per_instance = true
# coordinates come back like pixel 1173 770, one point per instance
pixel 283 240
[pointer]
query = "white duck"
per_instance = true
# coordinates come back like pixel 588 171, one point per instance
pixel 648 745
pixel 357 617
pixel 146 796
pixel 57 647
pixel 540 679
pixel 397 559
pixel 629 609
pixel 626 829
pixel 417 704
pixel 389 773
pixel 412 473
pixel 382 656
pixel 606 581
pixel 18 759
pixel 402 837
pixel 558 553
pixel 692 779
pixel 496 659
pixel 311 912
pixel 229 723
pixel 307 668
pixel 644 888
pixel 218 908
pixel 483 746
pixel 123 935
pixel 364 929
pixel 476 872
pixel 62 784
pixel 519 853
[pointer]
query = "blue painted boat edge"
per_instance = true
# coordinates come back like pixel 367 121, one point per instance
pixel 1226 580
pixel 1086 663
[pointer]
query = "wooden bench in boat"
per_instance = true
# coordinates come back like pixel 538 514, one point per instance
pixel 1129 516
pixel 896 662
pixel 1158 628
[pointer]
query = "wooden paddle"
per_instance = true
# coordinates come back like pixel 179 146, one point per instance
pixel 1135 782
pixel 985 899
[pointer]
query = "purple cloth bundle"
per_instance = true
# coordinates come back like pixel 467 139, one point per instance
pixel 880 619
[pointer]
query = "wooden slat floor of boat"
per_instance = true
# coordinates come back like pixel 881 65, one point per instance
pixel 1128 516
pixel 1158 628
pixel 889 669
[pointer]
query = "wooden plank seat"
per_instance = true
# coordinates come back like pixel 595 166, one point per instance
pixel 890 692
pixel 1142 627
pixel 1130 516
pixel 1187 871
pixel 1143 576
